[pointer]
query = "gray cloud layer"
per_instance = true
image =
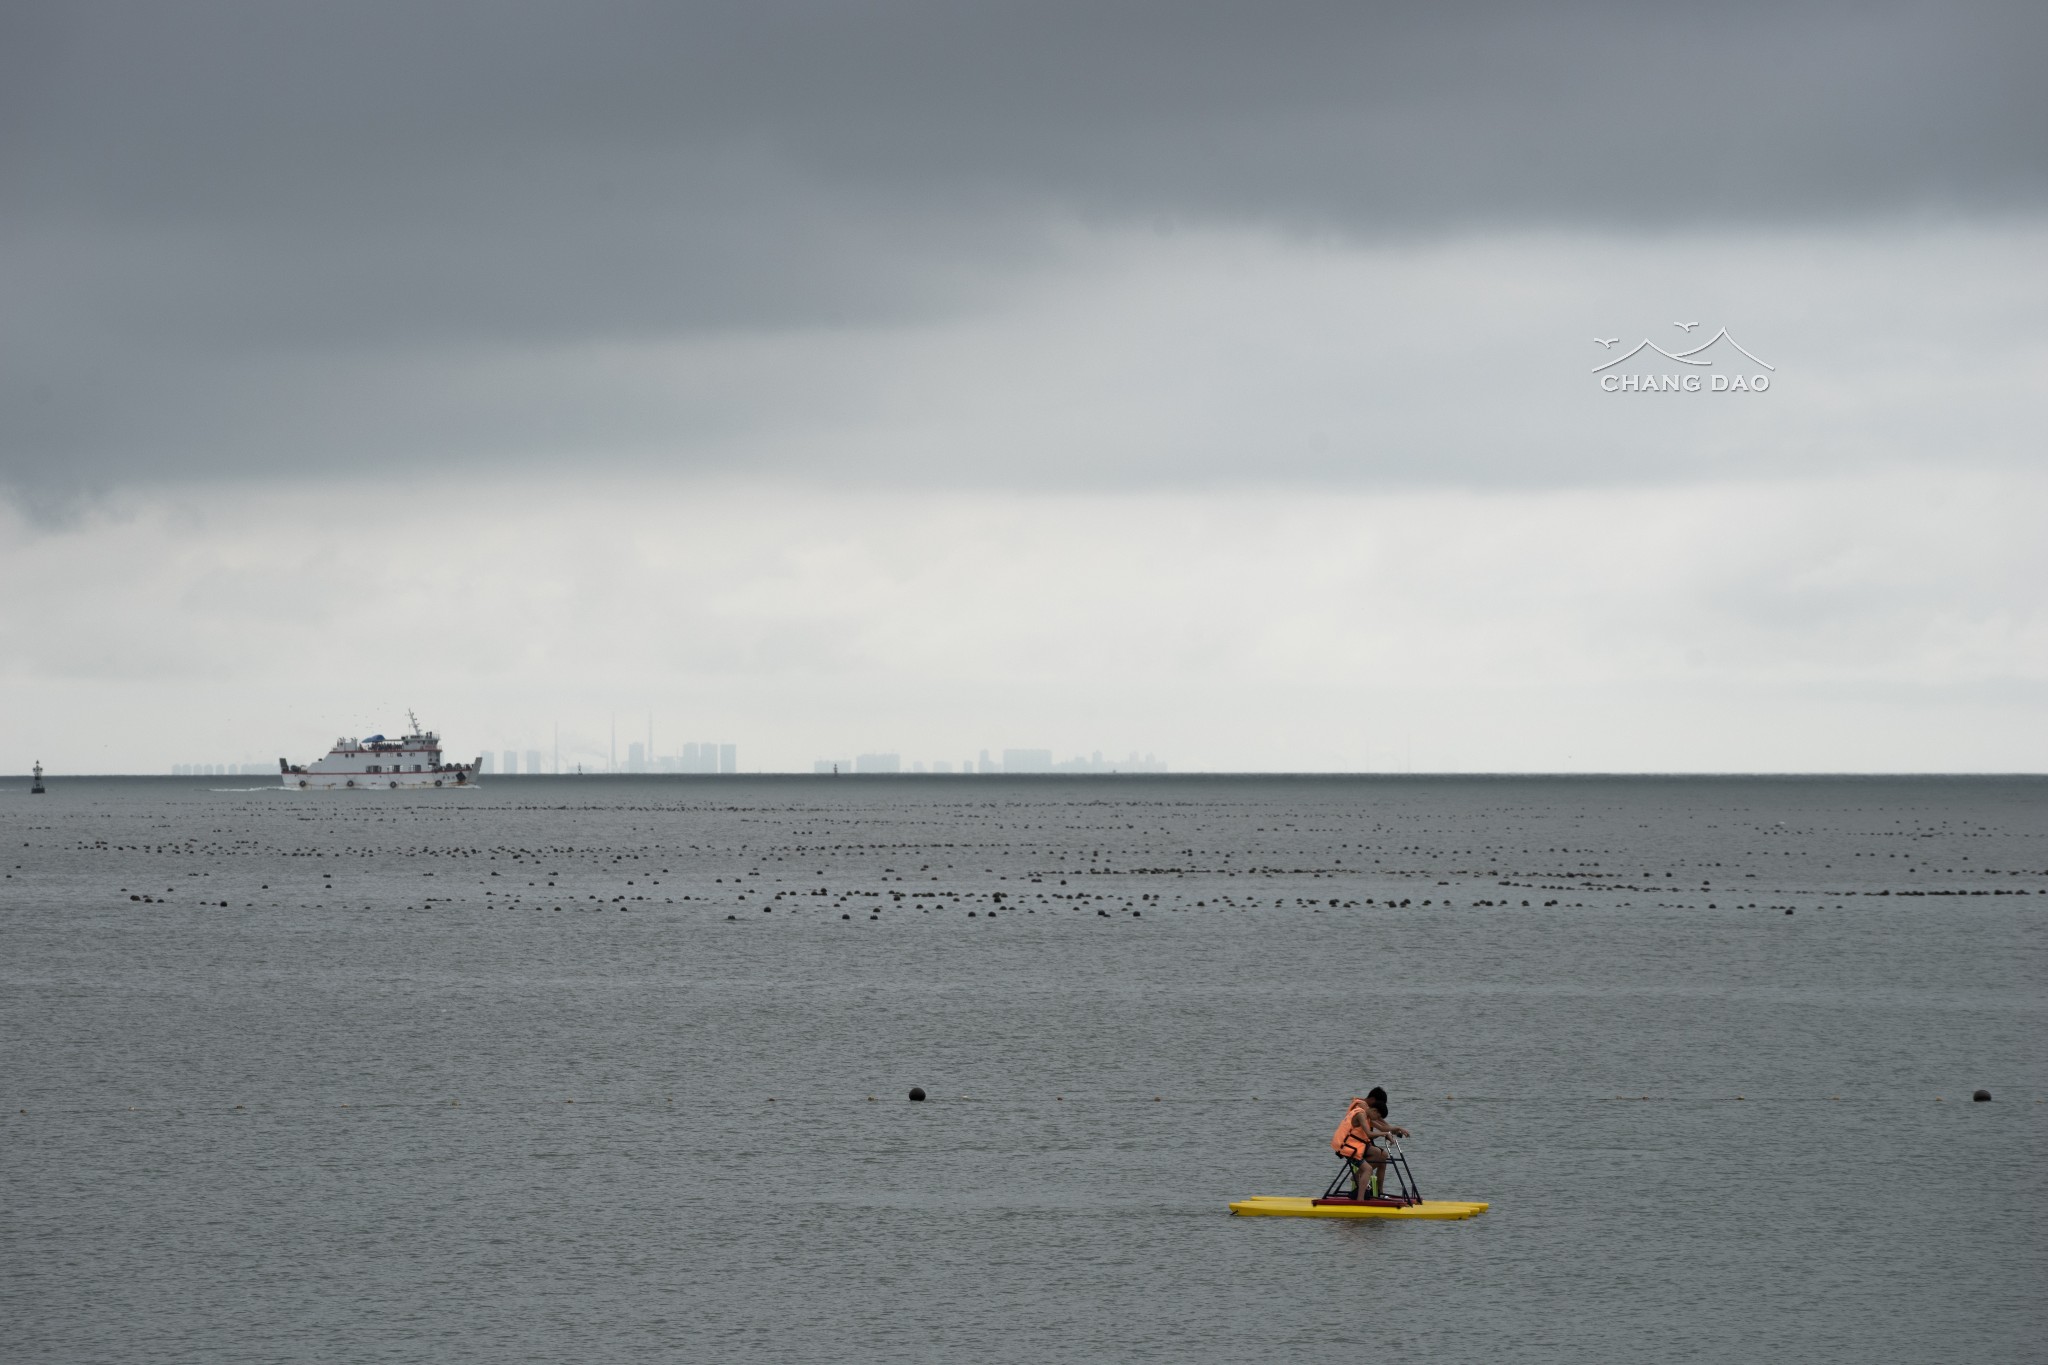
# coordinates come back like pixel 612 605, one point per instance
pixel 229 222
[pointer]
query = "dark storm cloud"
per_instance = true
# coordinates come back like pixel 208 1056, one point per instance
pixel 229 226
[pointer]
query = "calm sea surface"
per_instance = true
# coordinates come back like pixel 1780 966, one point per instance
pixel 580 1069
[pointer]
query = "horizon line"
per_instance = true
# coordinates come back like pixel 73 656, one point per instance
pixel 50 774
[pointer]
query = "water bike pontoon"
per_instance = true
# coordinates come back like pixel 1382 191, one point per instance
pixel 1335 1203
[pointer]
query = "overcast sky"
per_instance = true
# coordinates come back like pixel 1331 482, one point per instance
pixel 1217 381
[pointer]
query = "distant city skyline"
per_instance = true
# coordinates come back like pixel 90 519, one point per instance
pixel 692 756
pixel 1016 761
pixel 708 757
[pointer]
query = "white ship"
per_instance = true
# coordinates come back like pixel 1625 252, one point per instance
pixel 412 760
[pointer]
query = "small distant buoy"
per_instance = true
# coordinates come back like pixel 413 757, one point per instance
pixel 916 1094
pixel 1981 1096
pixel 871 1099
pixel 732 917
pixel 1788 909
pixel 1155 1099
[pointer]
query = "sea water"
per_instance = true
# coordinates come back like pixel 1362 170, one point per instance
pixel 616 1069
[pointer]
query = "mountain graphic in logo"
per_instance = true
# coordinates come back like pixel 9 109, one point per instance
pixel 1690 357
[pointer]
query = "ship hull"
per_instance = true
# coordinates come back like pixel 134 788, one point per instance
pixel 375 781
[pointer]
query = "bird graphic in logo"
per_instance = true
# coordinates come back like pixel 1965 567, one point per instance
pixel 1692 357
pixel 1685 326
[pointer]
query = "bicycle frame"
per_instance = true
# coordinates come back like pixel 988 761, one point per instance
pixel 1396 1164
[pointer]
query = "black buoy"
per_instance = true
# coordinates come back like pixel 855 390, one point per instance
pixel 1982 1096
pixel 917 1094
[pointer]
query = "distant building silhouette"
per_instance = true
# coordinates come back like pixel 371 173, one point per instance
pixel 1096 763
pixel 708 756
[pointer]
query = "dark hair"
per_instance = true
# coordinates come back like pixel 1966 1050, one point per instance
pixel 1377 1098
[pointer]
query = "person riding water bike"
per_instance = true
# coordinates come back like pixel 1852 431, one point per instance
pixel 1365 1119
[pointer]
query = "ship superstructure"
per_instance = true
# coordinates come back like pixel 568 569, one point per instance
pixel 412 760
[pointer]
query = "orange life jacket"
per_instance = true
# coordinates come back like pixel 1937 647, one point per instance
pixel 1349 1142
